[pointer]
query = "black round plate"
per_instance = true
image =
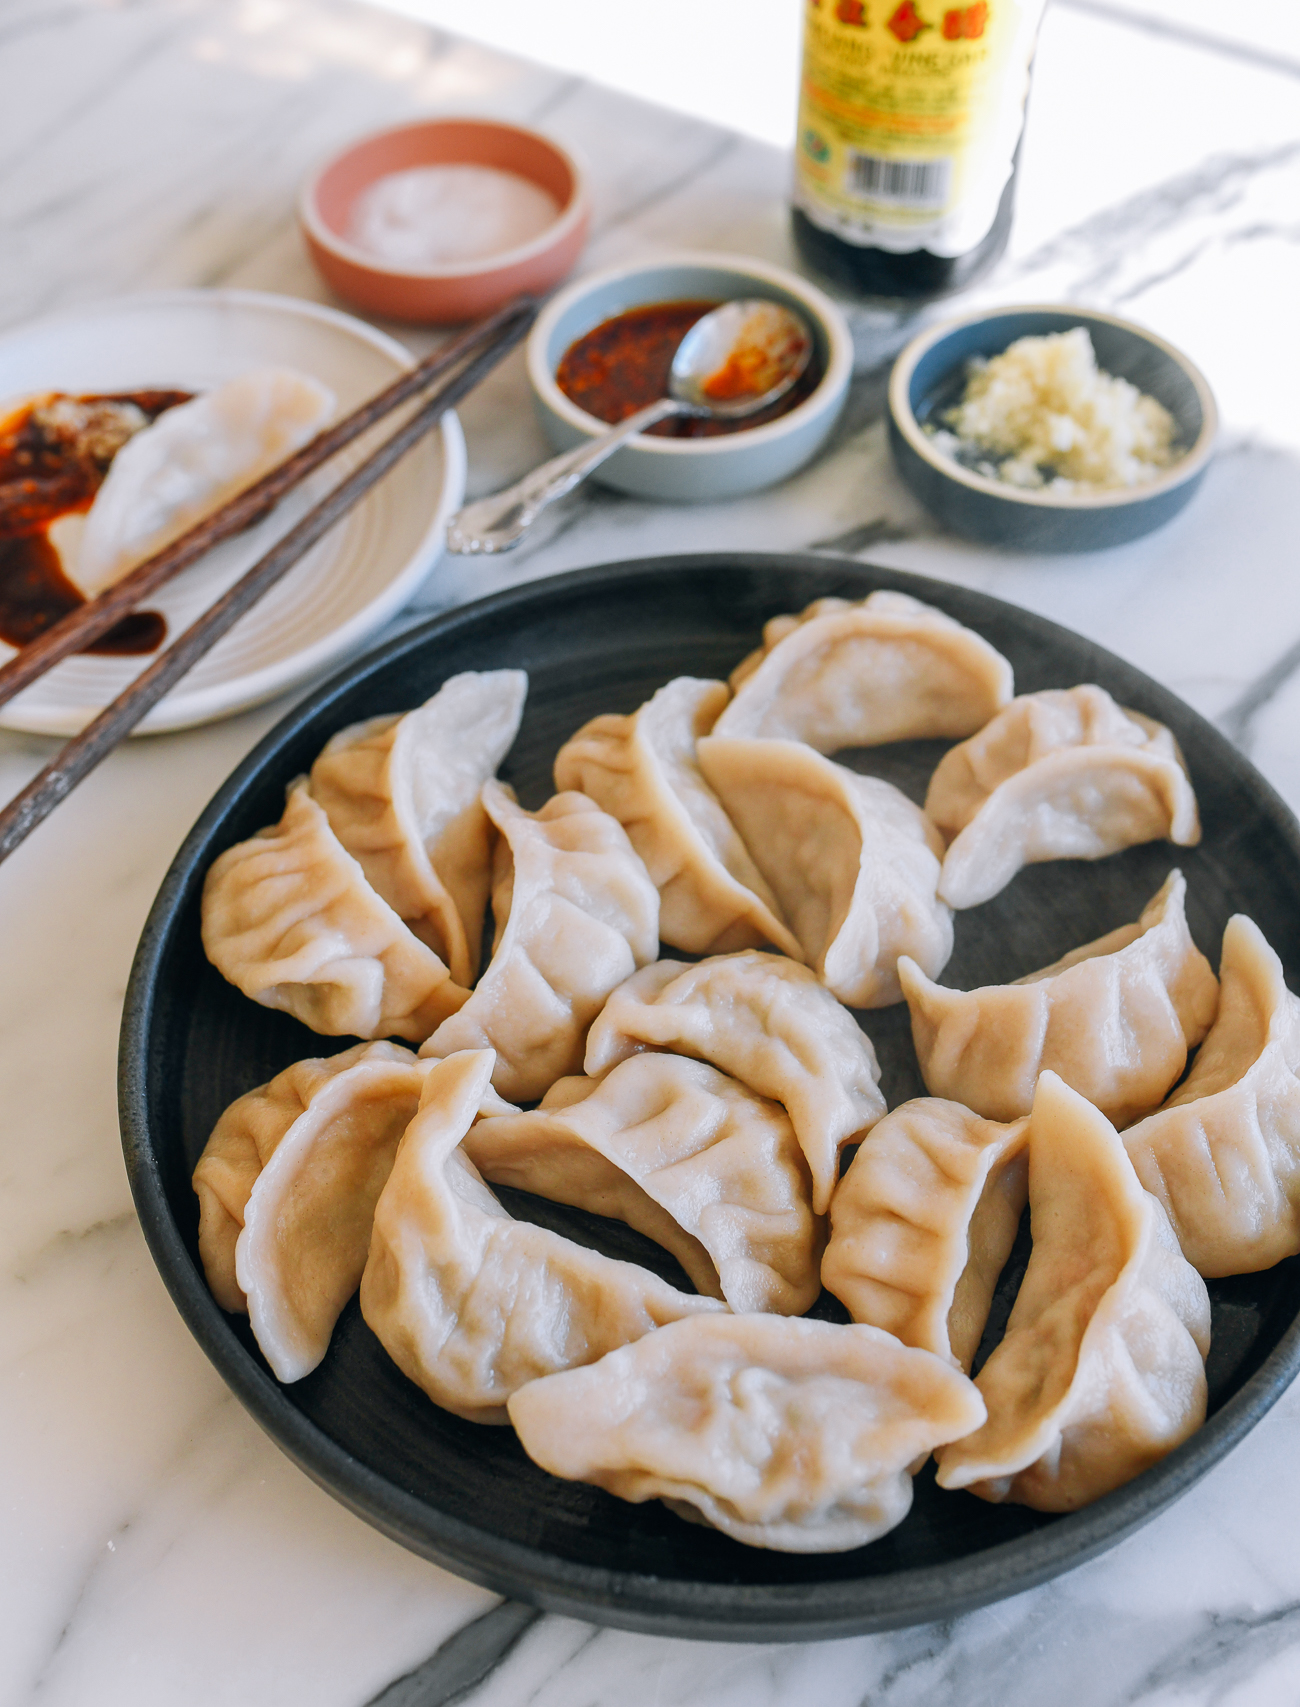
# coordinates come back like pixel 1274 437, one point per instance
pixel 465 1495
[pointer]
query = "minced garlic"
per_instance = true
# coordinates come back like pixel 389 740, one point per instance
pixel 1043 414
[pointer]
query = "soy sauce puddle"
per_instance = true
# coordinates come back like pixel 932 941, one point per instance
pixel 42 479
pixel 35 594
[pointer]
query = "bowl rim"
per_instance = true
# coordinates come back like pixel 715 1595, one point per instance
pixel 573 213
pixel 1190 465
pixel 834 381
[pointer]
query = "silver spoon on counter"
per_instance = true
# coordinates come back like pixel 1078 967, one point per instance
pixel 735 361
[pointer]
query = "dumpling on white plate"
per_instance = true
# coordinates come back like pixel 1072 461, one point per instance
pixel 1062 774
pixel 708 1169
pixel 470 1303
pixel 779 1431
pixel 643 770
pixel 922 1224
pixel 852 862
pixel 290 920
pixel 1102 1369
pixel 287 1186
pixel 575 915
pixel 1223 1154
pixel 402 794
pixel 767 1022
pixel 1114 1018
pixel 190 461
pixel 883 668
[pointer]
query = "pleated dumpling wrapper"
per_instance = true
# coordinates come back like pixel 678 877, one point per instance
pixel 290 920
pixel 575 915
pixel 779 1431
pixel 190 461
pixel 402 794
pixel 643 770
pixel 885 668
pixel 767 1022
pixel 1114 1019
pixel 1102 1369
pixel 852 862
pixel 1062 774
pixel 923 1222
pixel 287 1186
pixel 690 1157
pixel 467 1301
pixel 1223 1154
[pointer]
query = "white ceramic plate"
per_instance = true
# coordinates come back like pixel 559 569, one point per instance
pixel 358 576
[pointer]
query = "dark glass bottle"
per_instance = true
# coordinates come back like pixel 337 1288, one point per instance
pixel 910 118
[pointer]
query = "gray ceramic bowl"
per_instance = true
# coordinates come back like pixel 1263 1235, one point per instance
pixel 694 469
pixel 929 376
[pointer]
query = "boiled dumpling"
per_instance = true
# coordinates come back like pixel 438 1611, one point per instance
pixel 190 461
pixel 1102 1370
pixel 575 915
pixel 852 862
pixel 767 1022
pixel 247 1136
pixel 690 1157
pixel 779 1431
pixel 1029 729
pixel 1063 774
pixel 470 1303
pixel 887 668
pixel 1114 1018
pixel 923 1222
pixel 287 1186
pixel 643 770
pixel 402 795
pixel 1223 1154
pixel 290 920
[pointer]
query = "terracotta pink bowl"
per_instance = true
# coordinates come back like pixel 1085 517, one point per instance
pixel 457 291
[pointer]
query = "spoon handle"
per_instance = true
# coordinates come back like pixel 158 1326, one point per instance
pixel 500 522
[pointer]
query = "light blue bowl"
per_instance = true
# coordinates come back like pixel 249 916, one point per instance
pixel 929 375
pixel 692 469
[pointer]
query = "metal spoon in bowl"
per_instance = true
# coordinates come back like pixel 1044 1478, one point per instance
pixel 735 361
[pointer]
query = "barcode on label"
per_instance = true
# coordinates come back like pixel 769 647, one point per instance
pixel 906 183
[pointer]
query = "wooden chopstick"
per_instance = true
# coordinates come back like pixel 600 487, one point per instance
pixel 84 625
pixel 80 755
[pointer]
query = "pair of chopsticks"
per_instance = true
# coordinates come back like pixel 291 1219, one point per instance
pixel 458 365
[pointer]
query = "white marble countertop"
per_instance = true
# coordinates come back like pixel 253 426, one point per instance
pixel 155 1547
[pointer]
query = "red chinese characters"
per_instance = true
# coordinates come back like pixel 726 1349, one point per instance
pixel 965 23
pixel 904 22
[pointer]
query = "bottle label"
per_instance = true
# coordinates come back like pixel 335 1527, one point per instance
pixel 909 115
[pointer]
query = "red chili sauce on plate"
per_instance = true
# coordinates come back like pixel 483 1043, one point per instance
pixel 623 364
pixel 54 454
